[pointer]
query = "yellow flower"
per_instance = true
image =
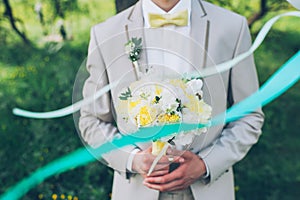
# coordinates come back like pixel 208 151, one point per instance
pixel 54 196
pixel 195 105
pixel 133 104
pixel 178 83
pixel 75 198
pixel 158 90
pixel 145 116
pixel 41 196
pixel 168 118
pixel 69 197
pixel 173 118
pixel 236 188
pixel 62 196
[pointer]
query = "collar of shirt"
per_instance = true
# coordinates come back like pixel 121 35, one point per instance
pixel 149 7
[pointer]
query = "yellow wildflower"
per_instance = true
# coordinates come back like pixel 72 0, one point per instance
pixel 54 196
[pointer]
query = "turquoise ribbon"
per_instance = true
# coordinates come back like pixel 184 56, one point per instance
pixel 280 81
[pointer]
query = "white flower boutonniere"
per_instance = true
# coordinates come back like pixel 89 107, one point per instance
pixel 134 48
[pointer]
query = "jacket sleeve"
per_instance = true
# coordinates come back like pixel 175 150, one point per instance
pixel 96 121
pixel 237 137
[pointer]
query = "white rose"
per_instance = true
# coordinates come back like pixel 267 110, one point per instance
pixel 184 139
pixel 129 47
pixel 195 86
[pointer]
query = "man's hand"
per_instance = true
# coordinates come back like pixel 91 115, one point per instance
pixel 143 160
pixel 187 173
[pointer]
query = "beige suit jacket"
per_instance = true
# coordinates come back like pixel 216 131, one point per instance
pixel 216 35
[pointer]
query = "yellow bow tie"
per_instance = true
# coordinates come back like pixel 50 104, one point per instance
pixel 178 19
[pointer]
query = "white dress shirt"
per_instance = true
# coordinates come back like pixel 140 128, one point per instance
pixel 158 56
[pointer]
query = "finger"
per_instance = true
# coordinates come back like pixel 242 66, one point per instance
pixel 149 150
pixel 161 166
pixel 176 159
pixel 150 158
pixel 164 160
pixel 159 169
pixel 174 152
pixel 182 154
pixel 158 173
pixel 170 160
pixel 176 174
pixel 171 186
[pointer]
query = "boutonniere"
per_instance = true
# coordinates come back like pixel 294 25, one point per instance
pixel 134 48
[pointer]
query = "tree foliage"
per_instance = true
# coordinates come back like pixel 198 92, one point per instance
pixel 61 8
pixel 8 13
pixel 123 4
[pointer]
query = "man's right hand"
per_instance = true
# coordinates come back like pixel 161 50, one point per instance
pixel 143 160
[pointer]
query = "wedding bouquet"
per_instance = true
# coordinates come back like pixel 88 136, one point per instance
pixel 148 103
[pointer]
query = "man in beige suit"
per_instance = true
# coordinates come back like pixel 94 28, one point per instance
pixel 211 35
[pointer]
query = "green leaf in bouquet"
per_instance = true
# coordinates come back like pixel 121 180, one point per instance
pixel 144 95
pixel 180 106
pixel 157 98
pixel 125 95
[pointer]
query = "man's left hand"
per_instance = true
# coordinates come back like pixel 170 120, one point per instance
pixel 187 173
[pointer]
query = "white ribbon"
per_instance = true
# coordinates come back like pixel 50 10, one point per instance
pixel 209 71
pixel 67 110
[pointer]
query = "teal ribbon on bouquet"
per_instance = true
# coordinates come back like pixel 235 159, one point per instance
pixel 281 81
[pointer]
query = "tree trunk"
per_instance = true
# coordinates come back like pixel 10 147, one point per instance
pixel 9 14
pixel 123 4
pixel 58 9
pixel 260 14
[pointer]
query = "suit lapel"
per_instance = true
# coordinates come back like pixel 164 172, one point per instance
pixel 135 28
pixel 200 33
pixel 119 65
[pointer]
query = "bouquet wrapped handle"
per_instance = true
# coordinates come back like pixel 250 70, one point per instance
pixel 159 156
